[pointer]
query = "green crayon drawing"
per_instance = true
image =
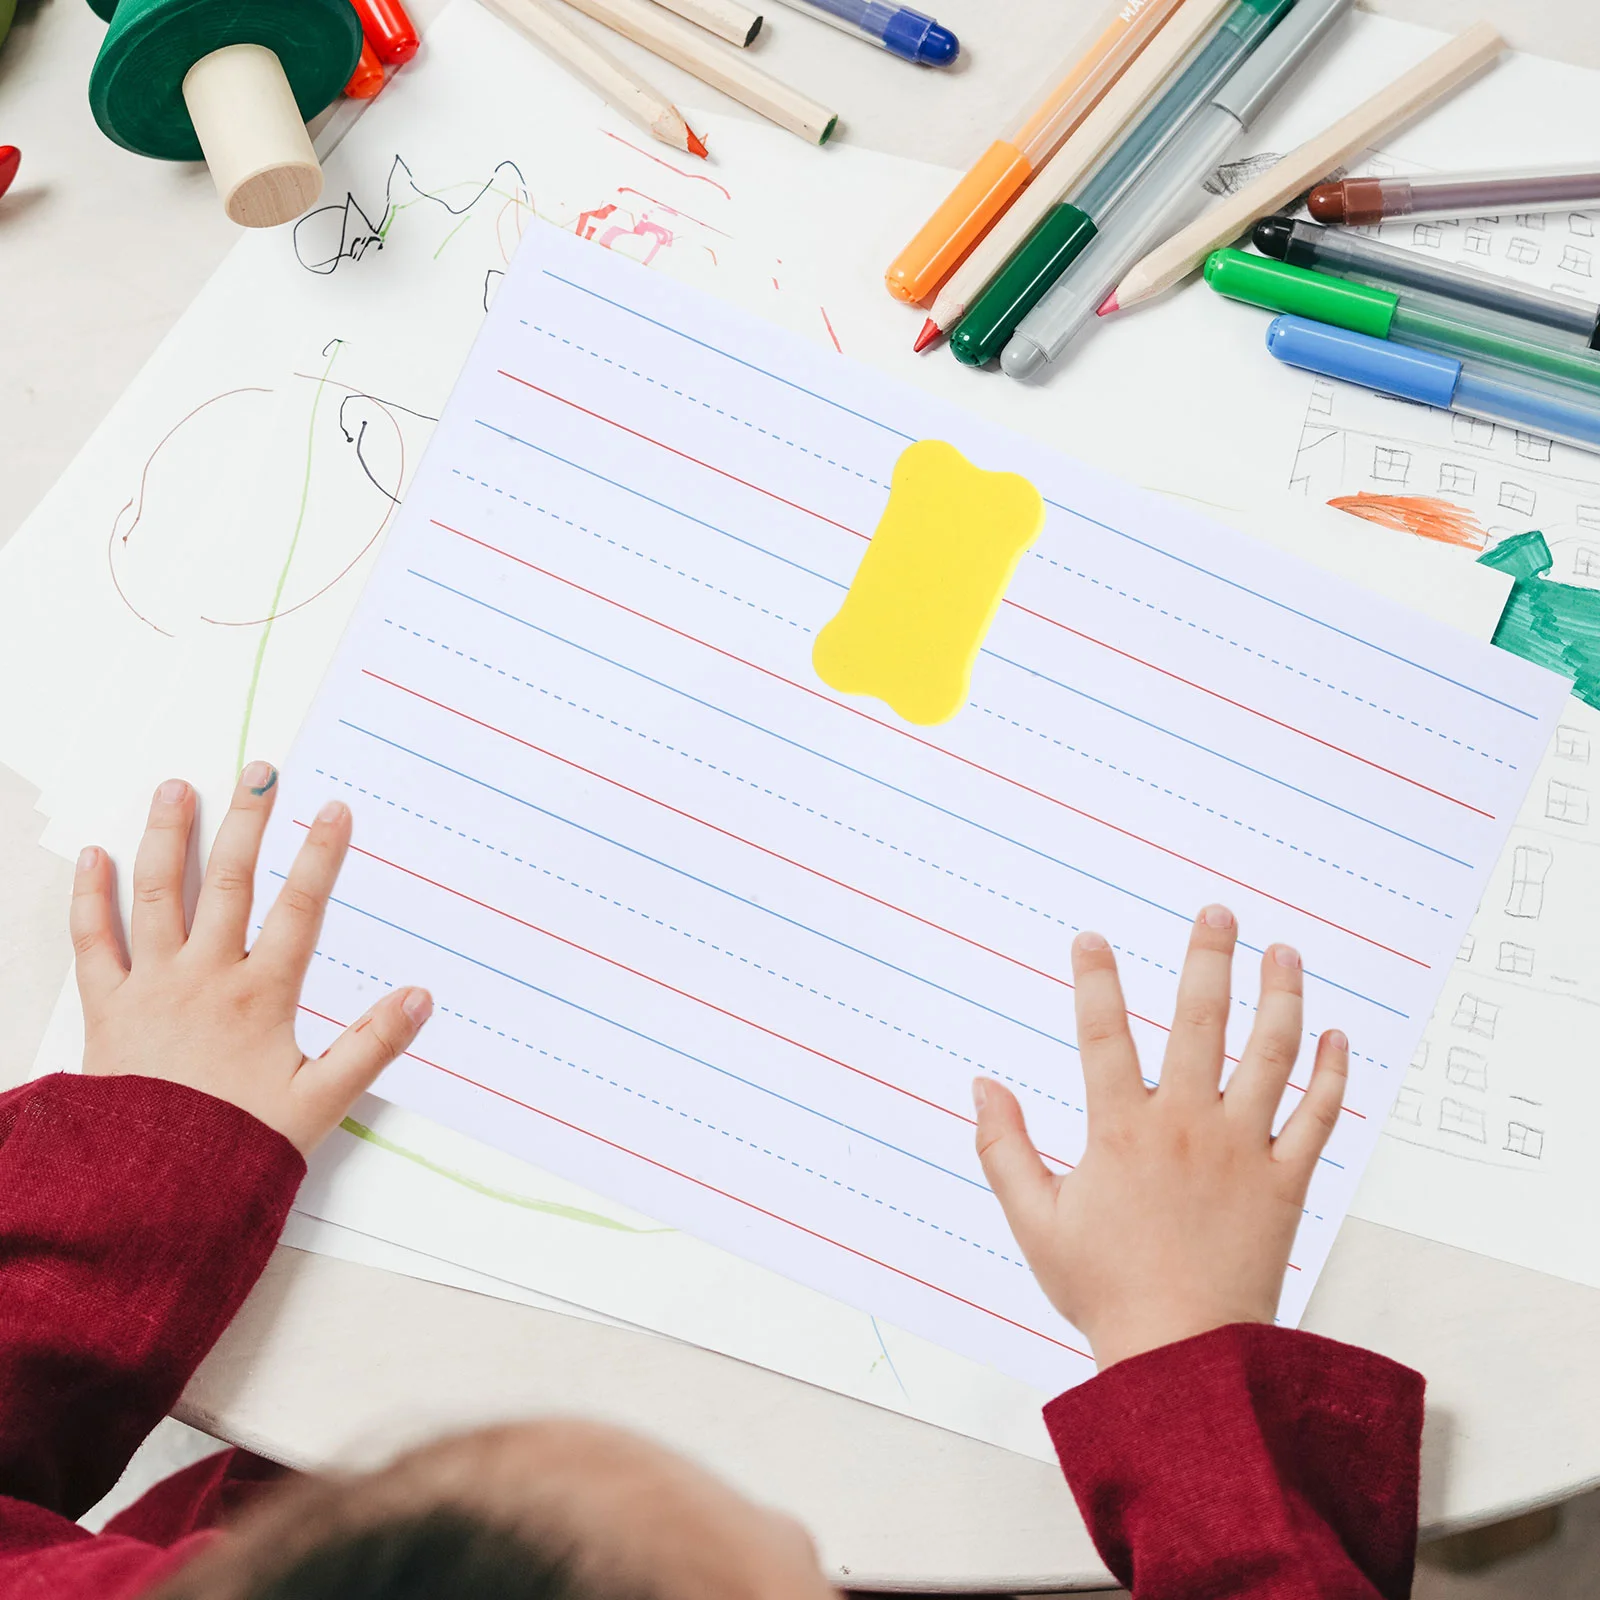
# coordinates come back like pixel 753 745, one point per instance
pixel 1554 625
pixel 549 1208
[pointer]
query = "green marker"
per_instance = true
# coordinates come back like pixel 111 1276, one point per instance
pixel 1423 321
pixel 1062 234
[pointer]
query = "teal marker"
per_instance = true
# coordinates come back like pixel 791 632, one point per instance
pixel 1423 321
pixel 1065 230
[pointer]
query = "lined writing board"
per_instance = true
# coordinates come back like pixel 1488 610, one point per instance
pixel 710 937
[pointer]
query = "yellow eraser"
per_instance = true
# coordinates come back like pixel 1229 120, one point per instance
pixel 930 583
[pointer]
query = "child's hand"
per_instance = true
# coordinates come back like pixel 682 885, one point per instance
pixel 1181 1215
pixel 194 1008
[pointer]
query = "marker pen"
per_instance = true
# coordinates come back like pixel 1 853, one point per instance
pixel 1423 321
pixel 1353 255
pixel 1435 380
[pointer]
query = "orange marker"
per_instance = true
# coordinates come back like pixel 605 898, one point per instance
pixel 389 31
pixel 972 206
pixel 367 79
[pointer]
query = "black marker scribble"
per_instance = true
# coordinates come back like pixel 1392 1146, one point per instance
pixel 358 438
pixel 320 249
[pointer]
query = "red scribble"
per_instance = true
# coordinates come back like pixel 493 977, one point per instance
pixel 137 499
pixel 628 189
pixel 697 177
pixel 829 325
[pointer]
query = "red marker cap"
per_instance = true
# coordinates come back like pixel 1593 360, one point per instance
pixel 390 32
pixel 10 160
pixel 367 79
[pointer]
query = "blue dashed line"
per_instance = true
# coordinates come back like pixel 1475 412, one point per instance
pixel 1210 811
pixel 627 549
pixel 710 1127
pixel 634 372
pixel 699 939
pixel 1261 655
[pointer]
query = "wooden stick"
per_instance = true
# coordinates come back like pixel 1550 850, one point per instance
pixel 618 85
pixel 726 18
pixel 1071 164
pixel 1447 68
pixel 687 47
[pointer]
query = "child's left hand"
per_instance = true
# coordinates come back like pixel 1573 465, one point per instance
pixel 191 1006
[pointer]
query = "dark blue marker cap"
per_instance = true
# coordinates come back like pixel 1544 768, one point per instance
pixel 919 38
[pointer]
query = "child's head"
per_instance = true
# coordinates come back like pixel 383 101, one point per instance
pixel 540 1511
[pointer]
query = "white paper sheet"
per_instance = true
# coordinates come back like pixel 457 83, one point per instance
pixel 709 938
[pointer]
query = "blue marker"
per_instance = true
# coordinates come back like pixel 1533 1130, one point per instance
pixel 906 32
pixel 1551 410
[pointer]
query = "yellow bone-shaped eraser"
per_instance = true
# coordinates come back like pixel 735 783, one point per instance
pixel 930 583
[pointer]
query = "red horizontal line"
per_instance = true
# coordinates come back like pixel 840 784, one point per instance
pixel 738 838
pixel 672 988
pixel 928 744
pixel 1216 694
pixel 1016 605
pixel 724 1194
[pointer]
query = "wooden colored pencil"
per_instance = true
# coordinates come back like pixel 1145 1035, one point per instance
pixel 1071 164
pixel 732 72
pixel 618 85
pixel 1447 68
pixel 726 18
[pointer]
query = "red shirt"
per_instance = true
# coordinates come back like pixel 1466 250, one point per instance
pixel 1248 1464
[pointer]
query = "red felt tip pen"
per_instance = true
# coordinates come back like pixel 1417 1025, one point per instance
pixel 367 79
pixel 391 34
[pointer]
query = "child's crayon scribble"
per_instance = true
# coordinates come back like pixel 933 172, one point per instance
pixel 1423 515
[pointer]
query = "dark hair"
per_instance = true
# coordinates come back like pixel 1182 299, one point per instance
pixel 439 1554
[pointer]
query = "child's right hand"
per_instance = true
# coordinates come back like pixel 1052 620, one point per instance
pixel 192 1006
pixel 1181 1215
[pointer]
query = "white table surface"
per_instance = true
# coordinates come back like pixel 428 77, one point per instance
pixel 99 253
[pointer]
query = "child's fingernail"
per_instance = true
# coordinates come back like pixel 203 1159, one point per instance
pixel 333 811
pixel 1217 917
pixel 418 1007
pixel 980 1093
pixel 88 857
pixel 1088 940
pixel 1286 955
pixel 1336 1039
pixel 172 791
pixel 258 777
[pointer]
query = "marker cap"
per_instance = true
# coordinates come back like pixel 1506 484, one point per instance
pixel 1276 286
pixel 1357 358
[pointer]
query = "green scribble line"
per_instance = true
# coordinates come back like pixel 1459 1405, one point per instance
pixel 549 1208
pixel 288 561
pixel 452 233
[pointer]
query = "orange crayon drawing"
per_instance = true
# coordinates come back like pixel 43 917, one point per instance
pixel 1419 514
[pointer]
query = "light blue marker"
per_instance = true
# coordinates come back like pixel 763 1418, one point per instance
pixel 899 29
pixel 1550 410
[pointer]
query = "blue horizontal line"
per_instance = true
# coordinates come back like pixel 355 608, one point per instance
pixel 844 766
pixel 1283 605
pixel 1194 566
pixel 673 1049
pixel 650 499
pixel 706 883
pixel 728 355
pixel 1232 760
pixel 994 654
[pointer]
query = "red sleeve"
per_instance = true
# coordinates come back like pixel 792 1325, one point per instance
pixel 135 1215
pixel 1251 1463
